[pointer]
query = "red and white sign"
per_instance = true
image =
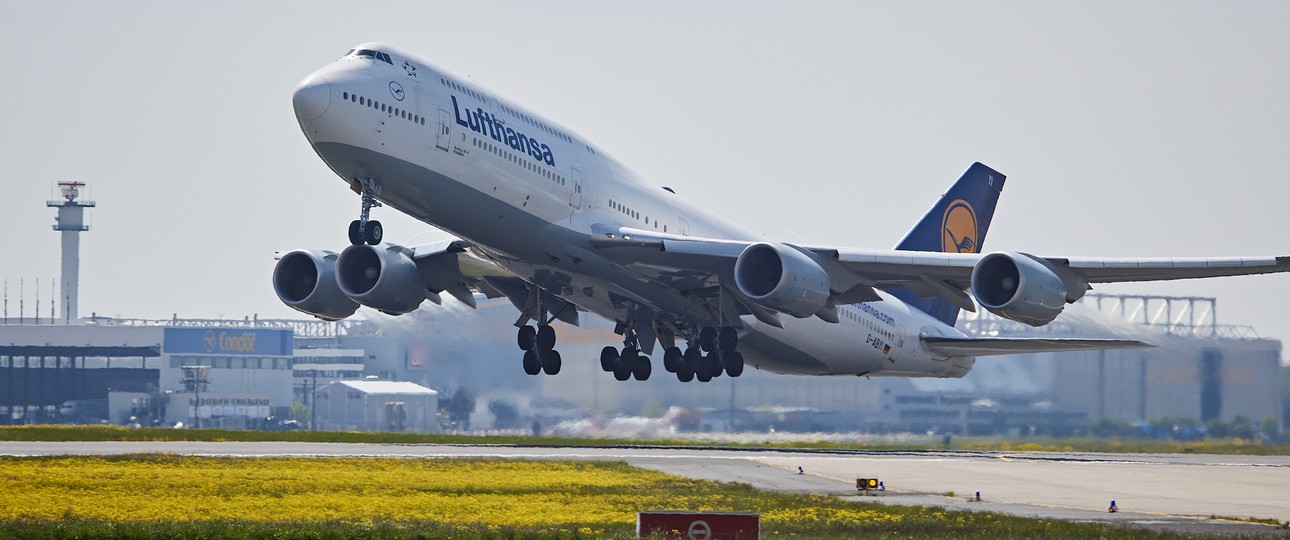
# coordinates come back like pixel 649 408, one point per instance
pixel 699 525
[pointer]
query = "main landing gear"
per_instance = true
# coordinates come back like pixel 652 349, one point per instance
pixel 707 357
pixel 538 345
pixel 363 230
pixel 628 364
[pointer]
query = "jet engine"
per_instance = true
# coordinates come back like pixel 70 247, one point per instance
pixel 306 281
pixel 381 277
pixel 1023 288
pixel 783 279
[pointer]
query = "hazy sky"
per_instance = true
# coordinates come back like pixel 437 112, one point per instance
pixel 1125 128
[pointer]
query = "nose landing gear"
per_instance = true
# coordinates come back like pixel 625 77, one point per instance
pixel 364 230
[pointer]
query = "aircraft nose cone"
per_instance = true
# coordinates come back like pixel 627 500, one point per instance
pixel 312 98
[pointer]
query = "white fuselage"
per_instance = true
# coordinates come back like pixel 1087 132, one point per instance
pixel 530 193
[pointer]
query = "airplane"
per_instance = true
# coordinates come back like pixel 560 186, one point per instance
pixel 550 221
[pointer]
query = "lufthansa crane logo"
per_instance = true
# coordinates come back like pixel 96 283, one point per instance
pixel 396 90
pixel 959 232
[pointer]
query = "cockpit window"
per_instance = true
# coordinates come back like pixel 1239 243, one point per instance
pixel 368 53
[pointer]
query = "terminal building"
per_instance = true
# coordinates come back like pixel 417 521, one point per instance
pixel 242 373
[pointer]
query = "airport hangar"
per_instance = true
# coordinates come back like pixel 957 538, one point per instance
pixel 255 369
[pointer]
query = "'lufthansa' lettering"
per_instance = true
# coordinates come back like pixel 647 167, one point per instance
pixel 885 318
pixel 488 125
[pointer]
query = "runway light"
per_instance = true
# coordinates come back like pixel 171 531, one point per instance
pixel 1113 508
pixel 866 484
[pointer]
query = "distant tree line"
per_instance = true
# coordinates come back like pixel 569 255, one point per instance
pixel 1187 429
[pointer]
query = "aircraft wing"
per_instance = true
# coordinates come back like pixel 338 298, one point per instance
pixel 992 346
pixel 855 273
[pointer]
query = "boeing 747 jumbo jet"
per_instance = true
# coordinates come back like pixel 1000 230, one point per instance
pixel 550 221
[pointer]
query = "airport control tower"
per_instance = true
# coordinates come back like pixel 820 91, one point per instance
pixel 71 221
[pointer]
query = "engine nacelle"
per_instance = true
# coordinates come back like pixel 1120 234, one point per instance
pixel 381 277
pixel 783 279
pixel 1021 288
pixel 305 280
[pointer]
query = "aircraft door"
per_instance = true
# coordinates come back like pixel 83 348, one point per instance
pixel 898 348
pixel 575 197
pixel 442 136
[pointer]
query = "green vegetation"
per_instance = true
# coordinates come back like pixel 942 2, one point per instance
pixel 1004 527
pixel 1026 444
pixel 122 497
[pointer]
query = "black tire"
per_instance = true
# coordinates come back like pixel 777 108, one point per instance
pixel 708 339
pixel 727 339
pixel 526 338
pixel 692 359
pixel 551 362
pixel 608 358
pixel 672 359
pixel 374 232
pixel 355 237
pixel 545 338
pixel 626 364
pixel 642 368
pixel 684 375
pixel 703 376
pixel 711 366
pixel 734 363
pixel 532 365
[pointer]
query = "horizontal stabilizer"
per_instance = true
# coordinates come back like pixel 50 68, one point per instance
pixel 952 346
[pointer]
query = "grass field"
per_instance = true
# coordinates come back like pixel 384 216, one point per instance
pixel 166 496
pixel 1033 444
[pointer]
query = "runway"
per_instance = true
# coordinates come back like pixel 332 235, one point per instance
pixel 1161 492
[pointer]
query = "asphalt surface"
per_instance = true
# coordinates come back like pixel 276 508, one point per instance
pixel 1160 492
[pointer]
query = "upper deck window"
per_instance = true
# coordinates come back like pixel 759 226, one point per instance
pixel 368 53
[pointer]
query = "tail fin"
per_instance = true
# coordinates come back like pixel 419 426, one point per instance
pixel 956 224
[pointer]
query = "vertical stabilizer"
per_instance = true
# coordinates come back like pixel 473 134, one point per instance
pixel 956 224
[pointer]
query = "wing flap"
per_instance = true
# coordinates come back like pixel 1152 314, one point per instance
pixel 993 346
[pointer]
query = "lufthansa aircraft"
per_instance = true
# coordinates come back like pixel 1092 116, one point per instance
pixel 557 226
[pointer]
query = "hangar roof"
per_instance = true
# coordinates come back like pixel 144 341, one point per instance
pixel 388 387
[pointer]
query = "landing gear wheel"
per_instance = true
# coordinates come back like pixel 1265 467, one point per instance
pixel 703 376
pixel 608 358
pixel 708 339
pixel 734 363
pixel 527 338
pixel 692 358
pixel 374 233
pixel 356 233
pixel 545 337
pixel 684 374
pixel 551 362
pixel 642 368
pixel 727 339
pixel 626 364
pixel 532 365
pixel 672 359
pixel 711 366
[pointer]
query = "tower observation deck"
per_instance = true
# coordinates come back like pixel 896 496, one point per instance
pixel 71 222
